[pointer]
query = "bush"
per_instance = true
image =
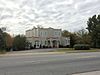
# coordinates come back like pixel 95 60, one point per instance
pixel 81 47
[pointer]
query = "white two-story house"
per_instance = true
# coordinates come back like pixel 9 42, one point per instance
pixel 46 37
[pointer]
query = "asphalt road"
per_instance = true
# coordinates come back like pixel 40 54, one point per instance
pixel 49 64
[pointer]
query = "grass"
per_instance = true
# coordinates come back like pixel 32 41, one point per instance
pixel 71 50
pixel 2 51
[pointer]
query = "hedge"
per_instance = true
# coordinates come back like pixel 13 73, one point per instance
pixel 81 47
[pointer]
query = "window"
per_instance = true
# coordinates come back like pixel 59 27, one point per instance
pixel 55 33
pixel 68 41
pixel 41 33
pixel 45 42
pixel 45 33
pixel 59 33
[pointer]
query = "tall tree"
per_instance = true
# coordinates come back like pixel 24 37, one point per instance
pixel 73 37
pixel 19 42
pixel 83 37
pixel 66 33
pixel 8 41
pixel 93 24
pixel 2 41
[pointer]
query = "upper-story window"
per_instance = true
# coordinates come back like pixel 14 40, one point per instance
pixel 45 33
pixel 41 33
pixel 59 33
pixel 55 33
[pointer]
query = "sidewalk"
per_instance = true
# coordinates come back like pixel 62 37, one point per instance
pixel 30 53
pixel 89 73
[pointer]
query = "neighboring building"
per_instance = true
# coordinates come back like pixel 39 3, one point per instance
pixel 46 37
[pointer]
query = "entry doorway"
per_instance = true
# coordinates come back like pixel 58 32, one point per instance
pixel 55 43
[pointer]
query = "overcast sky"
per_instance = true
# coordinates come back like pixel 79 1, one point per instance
pixel 20 15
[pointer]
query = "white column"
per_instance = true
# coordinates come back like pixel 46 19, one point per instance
pixel 57 44
pixel 51 43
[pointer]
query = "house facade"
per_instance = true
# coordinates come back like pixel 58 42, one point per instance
pixel 46 37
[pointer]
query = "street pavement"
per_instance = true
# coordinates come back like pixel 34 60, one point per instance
pixel 50 64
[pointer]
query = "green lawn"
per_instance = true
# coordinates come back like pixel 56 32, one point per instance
pixel 71 50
